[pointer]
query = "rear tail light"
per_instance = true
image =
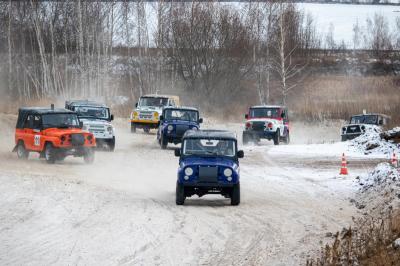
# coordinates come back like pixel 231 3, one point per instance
pixel 248 125
pixel 270 125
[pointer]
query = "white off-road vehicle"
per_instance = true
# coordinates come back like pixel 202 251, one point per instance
pixel 359 124
pixel 148 110
pixel 96 118
pixel 267 122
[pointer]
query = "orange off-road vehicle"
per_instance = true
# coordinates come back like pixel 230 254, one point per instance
pixel 54 133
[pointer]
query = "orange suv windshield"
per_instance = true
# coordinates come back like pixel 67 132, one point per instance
pixel 60 120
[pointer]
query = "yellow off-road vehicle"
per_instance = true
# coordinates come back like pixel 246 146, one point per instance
pixel 148 109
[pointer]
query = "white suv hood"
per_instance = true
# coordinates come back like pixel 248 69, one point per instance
pixel 95 122
pixel 98 127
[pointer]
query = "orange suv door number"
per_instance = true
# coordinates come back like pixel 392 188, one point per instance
pixel 37 140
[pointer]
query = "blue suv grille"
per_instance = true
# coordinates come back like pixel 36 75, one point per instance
pixel 208 174
pixel 181 129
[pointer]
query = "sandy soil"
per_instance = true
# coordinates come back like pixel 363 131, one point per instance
pixel 121 210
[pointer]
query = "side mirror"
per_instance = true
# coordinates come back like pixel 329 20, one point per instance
pixel 246 116
pixel 136 104
pixel 240 154
pixel 161 117
pixel 283 115
pixel 200 120
pixel 112 117
pixel 177 152
pixel 80 124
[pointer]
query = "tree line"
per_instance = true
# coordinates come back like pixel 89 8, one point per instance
pixel 212 51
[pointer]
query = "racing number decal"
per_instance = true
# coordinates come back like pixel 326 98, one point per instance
pixel 37 140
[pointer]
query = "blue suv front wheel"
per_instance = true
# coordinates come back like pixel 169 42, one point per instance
pixel 235 195
pixel 180 194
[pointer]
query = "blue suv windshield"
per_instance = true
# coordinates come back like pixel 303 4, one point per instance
pixel 213 147
pixel 185 115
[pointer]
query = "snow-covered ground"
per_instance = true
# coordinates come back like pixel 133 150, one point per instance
pixel 121 209
pixel 379 190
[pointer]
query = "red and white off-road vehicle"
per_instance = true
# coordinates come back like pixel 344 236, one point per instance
pixel 267 122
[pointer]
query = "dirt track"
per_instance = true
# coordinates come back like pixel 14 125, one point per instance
pixel 121 209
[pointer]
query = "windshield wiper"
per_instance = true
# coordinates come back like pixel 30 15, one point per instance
pixel 48 125
pixel 63 126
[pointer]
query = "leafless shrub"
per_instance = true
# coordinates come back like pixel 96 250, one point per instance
pixel 369 242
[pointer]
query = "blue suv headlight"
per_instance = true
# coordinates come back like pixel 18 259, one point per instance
pixel 228 172
pixel 188 171
pixel 170 127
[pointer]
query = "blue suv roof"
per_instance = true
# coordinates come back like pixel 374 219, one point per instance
pixel 212 134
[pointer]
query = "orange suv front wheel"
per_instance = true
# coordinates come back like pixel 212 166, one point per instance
pixel 50 153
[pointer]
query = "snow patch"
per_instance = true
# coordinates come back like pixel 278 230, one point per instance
pixel 369 145
pixel 372 143
pixel 380 188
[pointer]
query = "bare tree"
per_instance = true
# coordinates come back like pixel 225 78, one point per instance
pixel 10 66
pixel 284 65
pixel 378 34
pixel 329 39
pixel 356 35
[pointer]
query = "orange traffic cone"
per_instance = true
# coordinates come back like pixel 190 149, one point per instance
pixel 394 160
pixel 343 169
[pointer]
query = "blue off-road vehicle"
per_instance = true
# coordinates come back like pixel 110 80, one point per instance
pixel 174 122
pixel 208 164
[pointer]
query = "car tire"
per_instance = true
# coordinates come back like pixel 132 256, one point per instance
pixel 287 138
pixel 50 153
pixel 163 142
pixel 180 194
pixel 111 144
pixel 277 137
pixel 22 153
pixel 88 156
pixel 133 128
pixel 344 138
pixel 146 130
pixel 61 156
pixel 245 138
pixel 235 195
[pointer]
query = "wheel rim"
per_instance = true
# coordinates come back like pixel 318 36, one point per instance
pixel 20 151
pixel 47 154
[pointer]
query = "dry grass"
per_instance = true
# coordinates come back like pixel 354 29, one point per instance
pixel 338 97
pixel 369 242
